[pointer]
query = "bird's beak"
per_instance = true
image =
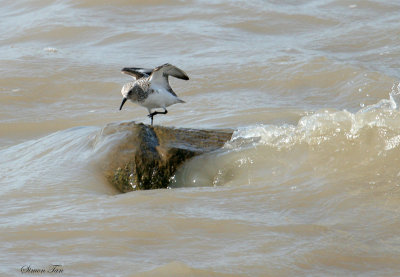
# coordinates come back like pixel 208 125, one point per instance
pixel 123 102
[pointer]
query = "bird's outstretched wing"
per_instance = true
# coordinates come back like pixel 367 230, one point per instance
pixel 161 73
pixel 137 72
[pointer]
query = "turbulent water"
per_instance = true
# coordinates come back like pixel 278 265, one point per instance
pixel 308 185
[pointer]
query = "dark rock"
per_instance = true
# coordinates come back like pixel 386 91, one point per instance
pixel 148 156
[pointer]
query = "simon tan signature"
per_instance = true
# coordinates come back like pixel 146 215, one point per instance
pixel 53 268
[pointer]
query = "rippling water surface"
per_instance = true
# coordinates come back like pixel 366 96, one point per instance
pixel 308 185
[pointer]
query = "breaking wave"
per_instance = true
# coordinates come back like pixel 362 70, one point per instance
pixel 324 144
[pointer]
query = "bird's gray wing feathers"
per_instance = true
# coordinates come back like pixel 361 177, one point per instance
pixel 166 70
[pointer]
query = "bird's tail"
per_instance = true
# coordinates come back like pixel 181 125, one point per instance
pixel 181 101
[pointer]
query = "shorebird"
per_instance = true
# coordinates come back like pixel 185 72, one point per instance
pixel 151 88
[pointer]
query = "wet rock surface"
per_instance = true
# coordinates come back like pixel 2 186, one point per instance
pixel 148 156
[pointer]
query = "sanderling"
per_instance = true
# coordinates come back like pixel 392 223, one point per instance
pixel 151 88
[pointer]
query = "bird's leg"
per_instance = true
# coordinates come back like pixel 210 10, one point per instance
pixel 151 115
pixel 164 112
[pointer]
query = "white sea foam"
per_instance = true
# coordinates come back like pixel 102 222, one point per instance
pixel 325 125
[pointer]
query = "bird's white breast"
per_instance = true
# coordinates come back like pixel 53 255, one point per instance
pixel 159 98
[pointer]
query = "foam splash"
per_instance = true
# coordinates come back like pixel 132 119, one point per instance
pixel 389 104
pixel 395 96
pixel 325 125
